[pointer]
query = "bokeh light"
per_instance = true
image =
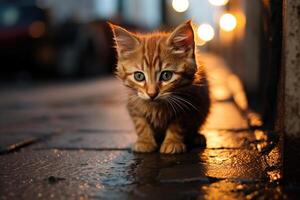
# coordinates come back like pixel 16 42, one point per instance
pixel 180 5
pixel 228 22
pixel 201 42
pixel 205 32
pixel 218 2
pixel 37 29
pixel 10 16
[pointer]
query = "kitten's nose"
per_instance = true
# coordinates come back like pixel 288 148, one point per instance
pixel 152 95
pixel 152 91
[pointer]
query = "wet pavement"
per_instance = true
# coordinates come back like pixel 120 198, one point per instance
pixel 72 141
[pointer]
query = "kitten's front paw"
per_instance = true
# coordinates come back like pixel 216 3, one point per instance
pixel 172 147
pixel 144 147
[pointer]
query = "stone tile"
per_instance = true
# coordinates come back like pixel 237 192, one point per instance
pixel 104 116
pixel 59 174
pixel 61 93
pixel 217 164
pixel 225 115
pixel 108 117
pixel 229 139
pixel 122 139
pixel 94 104
pixel 13 140
pixel 101 139
pixel 64 174
pixel 223 189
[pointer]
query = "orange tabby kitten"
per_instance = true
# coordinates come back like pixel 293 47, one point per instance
pixel 169 98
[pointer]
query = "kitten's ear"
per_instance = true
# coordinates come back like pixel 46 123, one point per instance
pixel 125 41
pixel 181 39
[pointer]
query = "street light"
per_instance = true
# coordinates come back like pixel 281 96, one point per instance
pixel 218 2
pixel 180 5
pixel 205 32
pixel 228 22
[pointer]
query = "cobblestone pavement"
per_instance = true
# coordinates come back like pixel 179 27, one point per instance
pixel 72 141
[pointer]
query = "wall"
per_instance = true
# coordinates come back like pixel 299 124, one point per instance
pixel 292 67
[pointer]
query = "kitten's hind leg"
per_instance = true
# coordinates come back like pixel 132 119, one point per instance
pixel 146 142
pixel 174 140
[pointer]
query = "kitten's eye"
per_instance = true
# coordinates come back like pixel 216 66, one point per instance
pixel 166 75
pixel 139 76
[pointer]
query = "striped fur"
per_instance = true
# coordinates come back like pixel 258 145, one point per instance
pixel 181 106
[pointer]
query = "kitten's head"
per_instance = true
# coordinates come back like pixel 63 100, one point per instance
pixel 155 65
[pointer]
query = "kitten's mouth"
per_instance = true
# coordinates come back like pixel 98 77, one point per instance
pixel 152 100
pixel 149 98
pixel 156 100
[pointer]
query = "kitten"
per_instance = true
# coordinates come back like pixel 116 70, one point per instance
pixel 169 96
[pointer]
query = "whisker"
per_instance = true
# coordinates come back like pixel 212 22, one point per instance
pixel 186 101
pixel 179 104
pixel 176 103
pixel 183 103
pixel 170 103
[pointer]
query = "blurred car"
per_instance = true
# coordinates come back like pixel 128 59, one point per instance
pixel 31 48
pixel 22 29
